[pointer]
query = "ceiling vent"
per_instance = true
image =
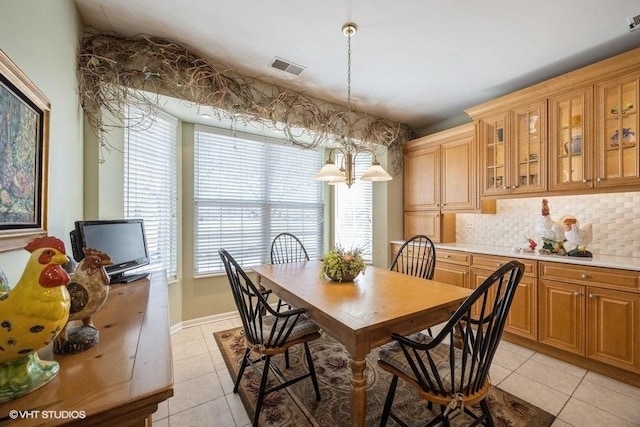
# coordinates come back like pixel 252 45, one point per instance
pixel 287 66
pixel 634 22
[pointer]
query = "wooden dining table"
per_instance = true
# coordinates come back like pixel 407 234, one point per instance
pixel 362 314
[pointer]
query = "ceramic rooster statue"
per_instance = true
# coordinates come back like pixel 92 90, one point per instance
pixel 88 289
pixel 32 314
pixel 551 232
pixel 580 237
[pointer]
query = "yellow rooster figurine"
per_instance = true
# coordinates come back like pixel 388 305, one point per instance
pixel 88 288
pixel 32 314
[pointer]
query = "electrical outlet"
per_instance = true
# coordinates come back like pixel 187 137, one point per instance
pixel 470 224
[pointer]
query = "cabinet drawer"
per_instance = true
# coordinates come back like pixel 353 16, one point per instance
pixel 493 262
pixel 453 257
pixel 596 276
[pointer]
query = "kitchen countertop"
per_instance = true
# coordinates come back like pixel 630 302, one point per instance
pixel 609 261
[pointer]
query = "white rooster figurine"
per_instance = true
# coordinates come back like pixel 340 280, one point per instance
pixel 580 237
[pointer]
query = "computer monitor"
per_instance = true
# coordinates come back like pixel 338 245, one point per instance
pixel 123 240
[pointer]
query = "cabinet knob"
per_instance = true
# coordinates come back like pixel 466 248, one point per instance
pixel 504 187
pixel 593 295
pixel 577 293
pixel 600 179
pixel 586 276
pixel 447 256
pixel 498 264
pixel 513 187
pixel 586 181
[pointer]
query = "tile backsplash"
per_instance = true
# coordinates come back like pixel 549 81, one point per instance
pixel 615 218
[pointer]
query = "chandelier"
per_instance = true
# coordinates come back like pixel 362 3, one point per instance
pixel 348 146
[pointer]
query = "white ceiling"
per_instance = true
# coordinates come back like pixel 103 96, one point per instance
pixel 415 61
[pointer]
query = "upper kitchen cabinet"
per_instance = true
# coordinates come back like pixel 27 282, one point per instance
pixel 573 134
pixel 513 147
pixel 570 141
pixel 440 172
pixel 617 155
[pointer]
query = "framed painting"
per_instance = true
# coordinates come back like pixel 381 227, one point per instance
pixel 24 144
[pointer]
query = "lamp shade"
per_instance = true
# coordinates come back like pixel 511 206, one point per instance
pixel 330 172
pixel 376 173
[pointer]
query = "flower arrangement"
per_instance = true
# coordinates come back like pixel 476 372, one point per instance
pixel 342 265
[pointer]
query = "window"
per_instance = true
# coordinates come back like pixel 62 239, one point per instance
pixel 353 224
pixel 248 190
pixel 150 185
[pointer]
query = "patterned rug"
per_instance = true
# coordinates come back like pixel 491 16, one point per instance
pixel 296 405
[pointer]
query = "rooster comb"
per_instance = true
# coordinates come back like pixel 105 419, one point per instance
pixel 45 242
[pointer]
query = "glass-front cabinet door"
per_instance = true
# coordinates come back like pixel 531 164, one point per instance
pixel 494 135
pixel 570 140
pixel 617 155
pixel 528 149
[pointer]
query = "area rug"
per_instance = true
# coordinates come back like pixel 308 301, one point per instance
pixel 296 405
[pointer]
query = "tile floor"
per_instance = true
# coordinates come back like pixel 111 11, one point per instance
pixel 203 393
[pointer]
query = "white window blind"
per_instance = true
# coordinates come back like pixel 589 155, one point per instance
pixel 353 210
pixel 249 190
pixel 150 185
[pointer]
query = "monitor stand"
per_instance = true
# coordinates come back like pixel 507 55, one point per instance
pixel 126 278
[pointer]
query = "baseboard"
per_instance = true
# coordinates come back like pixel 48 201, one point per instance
pixel 203 320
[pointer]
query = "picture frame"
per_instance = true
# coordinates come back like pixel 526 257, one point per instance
pixel 24 157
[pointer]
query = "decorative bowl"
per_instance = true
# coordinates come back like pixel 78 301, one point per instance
pixel 340 265
pixel 628 137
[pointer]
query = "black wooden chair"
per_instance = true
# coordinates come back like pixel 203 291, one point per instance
pixel 267 332
pixel 286 247
pixel 416 257
pixel 452 369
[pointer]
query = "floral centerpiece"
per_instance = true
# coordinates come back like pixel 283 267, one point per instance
pixel 342 265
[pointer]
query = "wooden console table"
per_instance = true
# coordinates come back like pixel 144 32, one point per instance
pixel 120 381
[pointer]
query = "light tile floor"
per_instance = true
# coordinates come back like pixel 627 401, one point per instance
pixel 203 388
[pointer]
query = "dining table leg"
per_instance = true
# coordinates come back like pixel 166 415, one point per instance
pixel 358 392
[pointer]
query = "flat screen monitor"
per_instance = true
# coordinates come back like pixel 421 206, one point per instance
pixel 123 240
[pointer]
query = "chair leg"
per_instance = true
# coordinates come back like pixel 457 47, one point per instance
pixel 389 401
pixel 445 418
pixel 286 359
pixel 261 393
pixel 312 371
pixel 487 414
pixel 245 362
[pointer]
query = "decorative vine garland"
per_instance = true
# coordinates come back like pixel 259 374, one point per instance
pixel 115 72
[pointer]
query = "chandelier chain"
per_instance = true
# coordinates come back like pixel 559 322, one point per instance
pixel 349 69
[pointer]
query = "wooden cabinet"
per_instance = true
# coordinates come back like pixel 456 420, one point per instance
pixel 617 150
pixel 439 227
pixel 422 178
pixel 523 314
pixel 513 147
pixel 589 143
pixel 452 267
pixel 120 381
pixel 600 323
pixel 570 140
pixel 440 180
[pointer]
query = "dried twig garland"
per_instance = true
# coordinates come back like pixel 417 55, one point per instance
pixel 115 72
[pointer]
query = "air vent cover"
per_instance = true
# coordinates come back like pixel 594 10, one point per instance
pixel 287 66
pixel 634 22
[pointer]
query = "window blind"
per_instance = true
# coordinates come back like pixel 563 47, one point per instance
pixel 353 209
pixel 248 190
pixel 150 184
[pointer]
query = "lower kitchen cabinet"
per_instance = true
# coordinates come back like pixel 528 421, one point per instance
pixel 613 327
pixel 452 267
pixel 599 323
pixel 523 314
pixel 562 315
